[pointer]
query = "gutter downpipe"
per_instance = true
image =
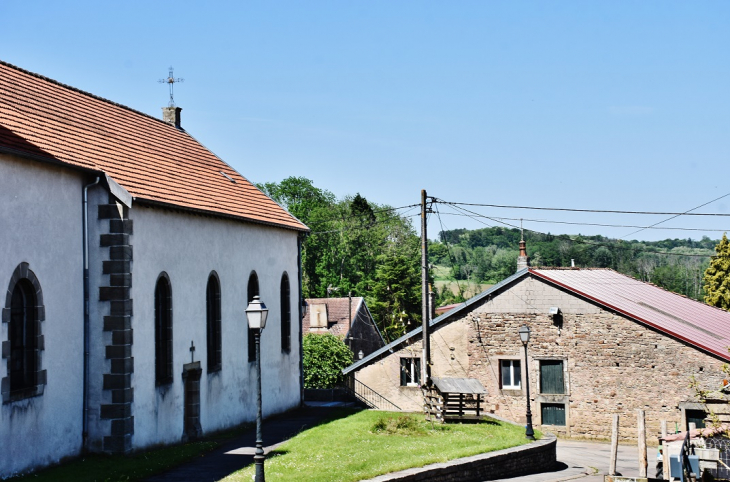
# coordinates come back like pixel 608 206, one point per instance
pixel 85 430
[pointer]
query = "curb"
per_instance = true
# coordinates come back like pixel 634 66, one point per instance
pixel 535 457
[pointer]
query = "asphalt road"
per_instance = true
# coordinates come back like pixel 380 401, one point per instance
pixel 588 462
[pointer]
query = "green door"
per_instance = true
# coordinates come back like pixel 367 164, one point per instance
pixel 551 376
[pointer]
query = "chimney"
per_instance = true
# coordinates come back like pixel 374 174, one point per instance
pixel 523 261
pixel 171 115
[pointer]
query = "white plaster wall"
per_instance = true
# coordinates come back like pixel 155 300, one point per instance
pixel 40 223
pixel 188 248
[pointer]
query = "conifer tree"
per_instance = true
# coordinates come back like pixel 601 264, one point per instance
pixel 717 276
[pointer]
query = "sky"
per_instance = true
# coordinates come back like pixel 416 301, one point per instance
pixel 562 104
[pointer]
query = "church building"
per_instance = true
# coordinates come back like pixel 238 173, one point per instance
pixel 130 252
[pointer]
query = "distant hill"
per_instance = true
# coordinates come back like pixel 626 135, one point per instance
pixel 486 256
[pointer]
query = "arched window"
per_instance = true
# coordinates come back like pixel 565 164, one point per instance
pixel 213 322
pixel 163 330
pixel 285 314
pixel 253 290
pixel 23 312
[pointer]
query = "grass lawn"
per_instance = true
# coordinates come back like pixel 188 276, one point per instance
pixel 129 468
pixel 370 443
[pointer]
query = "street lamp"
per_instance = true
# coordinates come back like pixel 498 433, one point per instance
pixel 525 337
pixel 256 314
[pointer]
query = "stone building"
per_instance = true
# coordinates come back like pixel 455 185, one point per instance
pixel 602 343
pixel 129 254
pixel 348 319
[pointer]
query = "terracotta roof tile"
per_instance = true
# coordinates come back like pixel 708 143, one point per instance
pixel 338 314
pixel 153 160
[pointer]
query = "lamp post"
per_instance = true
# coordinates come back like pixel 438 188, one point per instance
pixel 256 314
pixel 525 337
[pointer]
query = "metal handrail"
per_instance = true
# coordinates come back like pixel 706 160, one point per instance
pixel 368 396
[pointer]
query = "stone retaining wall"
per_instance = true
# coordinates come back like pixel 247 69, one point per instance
pixel 527 459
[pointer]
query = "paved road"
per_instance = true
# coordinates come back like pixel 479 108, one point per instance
pixel 588 462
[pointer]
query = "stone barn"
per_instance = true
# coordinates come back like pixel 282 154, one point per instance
pixel 602 343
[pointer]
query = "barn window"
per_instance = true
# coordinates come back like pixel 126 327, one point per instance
pixel 510 375
pixel 163 331
pixel 285 314
pixel 553 414
pixel 410 372
pixel 23 312
pixel 253 290
pixel 213 322
pixel 551 377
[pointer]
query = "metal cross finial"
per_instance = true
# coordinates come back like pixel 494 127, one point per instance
pixel 192 351
pixel 171 81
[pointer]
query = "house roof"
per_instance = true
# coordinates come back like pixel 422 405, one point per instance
pixel 338 314
pixel 698 324
pixel 156 162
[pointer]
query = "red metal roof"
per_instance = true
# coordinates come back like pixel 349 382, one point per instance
pixel 153 160
pixel 696 323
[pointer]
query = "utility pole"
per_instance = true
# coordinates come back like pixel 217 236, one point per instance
pixel 425 314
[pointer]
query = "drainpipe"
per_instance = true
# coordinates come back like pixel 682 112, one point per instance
pixel 85 430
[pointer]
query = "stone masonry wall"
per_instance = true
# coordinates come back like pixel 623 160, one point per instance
pixel 612 364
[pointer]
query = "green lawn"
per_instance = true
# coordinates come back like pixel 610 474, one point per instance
pixel 364 444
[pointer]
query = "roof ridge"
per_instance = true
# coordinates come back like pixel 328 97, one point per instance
pixel 76 89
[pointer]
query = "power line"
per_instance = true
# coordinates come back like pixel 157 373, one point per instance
pixel 677 215
pixel 475 215
pixel 342 218
pixel 584 210
pixel 593 224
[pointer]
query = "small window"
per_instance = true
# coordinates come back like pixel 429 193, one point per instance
pixel 163 331
pixel 410 372
pixel 253 290
pixel 23 337
pixel 511 376
pixel 213 322
pixel 23 312
pixel 553 414
pixel 551 377
pixel 697 417
pixel 285 314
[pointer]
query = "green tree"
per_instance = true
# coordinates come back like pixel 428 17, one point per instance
pixel 324 358
pixel 717 276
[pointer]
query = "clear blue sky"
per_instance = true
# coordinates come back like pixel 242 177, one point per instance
pixel 598 105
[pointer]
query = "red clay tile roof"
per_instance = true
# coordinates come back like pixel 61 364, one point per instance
pixel 153 160
pixel 696 323
pixel 338 315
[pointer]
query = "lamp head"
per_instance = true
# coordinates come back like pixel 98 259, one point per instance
pixel 525 334
pixel 305 306
pixel 256 313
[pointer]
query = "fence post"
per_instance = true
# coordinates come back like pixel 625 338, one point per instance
pixel 665 451
pixel 614 446
pixel 641 427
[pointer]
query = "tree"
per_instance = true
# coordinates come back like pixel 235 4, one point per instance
pixel 717 276
pixel 323 359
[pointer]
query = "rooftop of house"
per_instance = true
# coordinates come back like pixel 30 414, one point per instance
pixel 155 161
pixel 331 315
pixel 693 322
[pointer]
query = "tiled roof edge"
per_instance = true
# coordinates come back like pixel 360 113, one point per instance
pixel 215 214
pixel 76 89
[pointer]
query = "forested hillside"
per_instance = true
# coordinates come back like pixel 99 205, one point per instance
pixel 489 255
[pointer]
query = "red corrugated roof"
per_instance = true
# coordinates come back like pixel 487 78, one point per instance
pixel 153 160
pixel 696 323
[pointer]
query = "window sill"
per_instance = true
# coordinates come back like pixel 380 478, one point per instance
pixel 512 392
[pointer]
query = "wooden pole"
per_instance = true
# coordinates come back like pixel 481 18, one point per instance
pixel 614 446
pixel 641 427
pixel 665 452
pixel 426 352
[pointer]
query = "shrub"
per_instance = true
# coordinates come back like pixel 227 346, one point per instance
pixel 324 358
